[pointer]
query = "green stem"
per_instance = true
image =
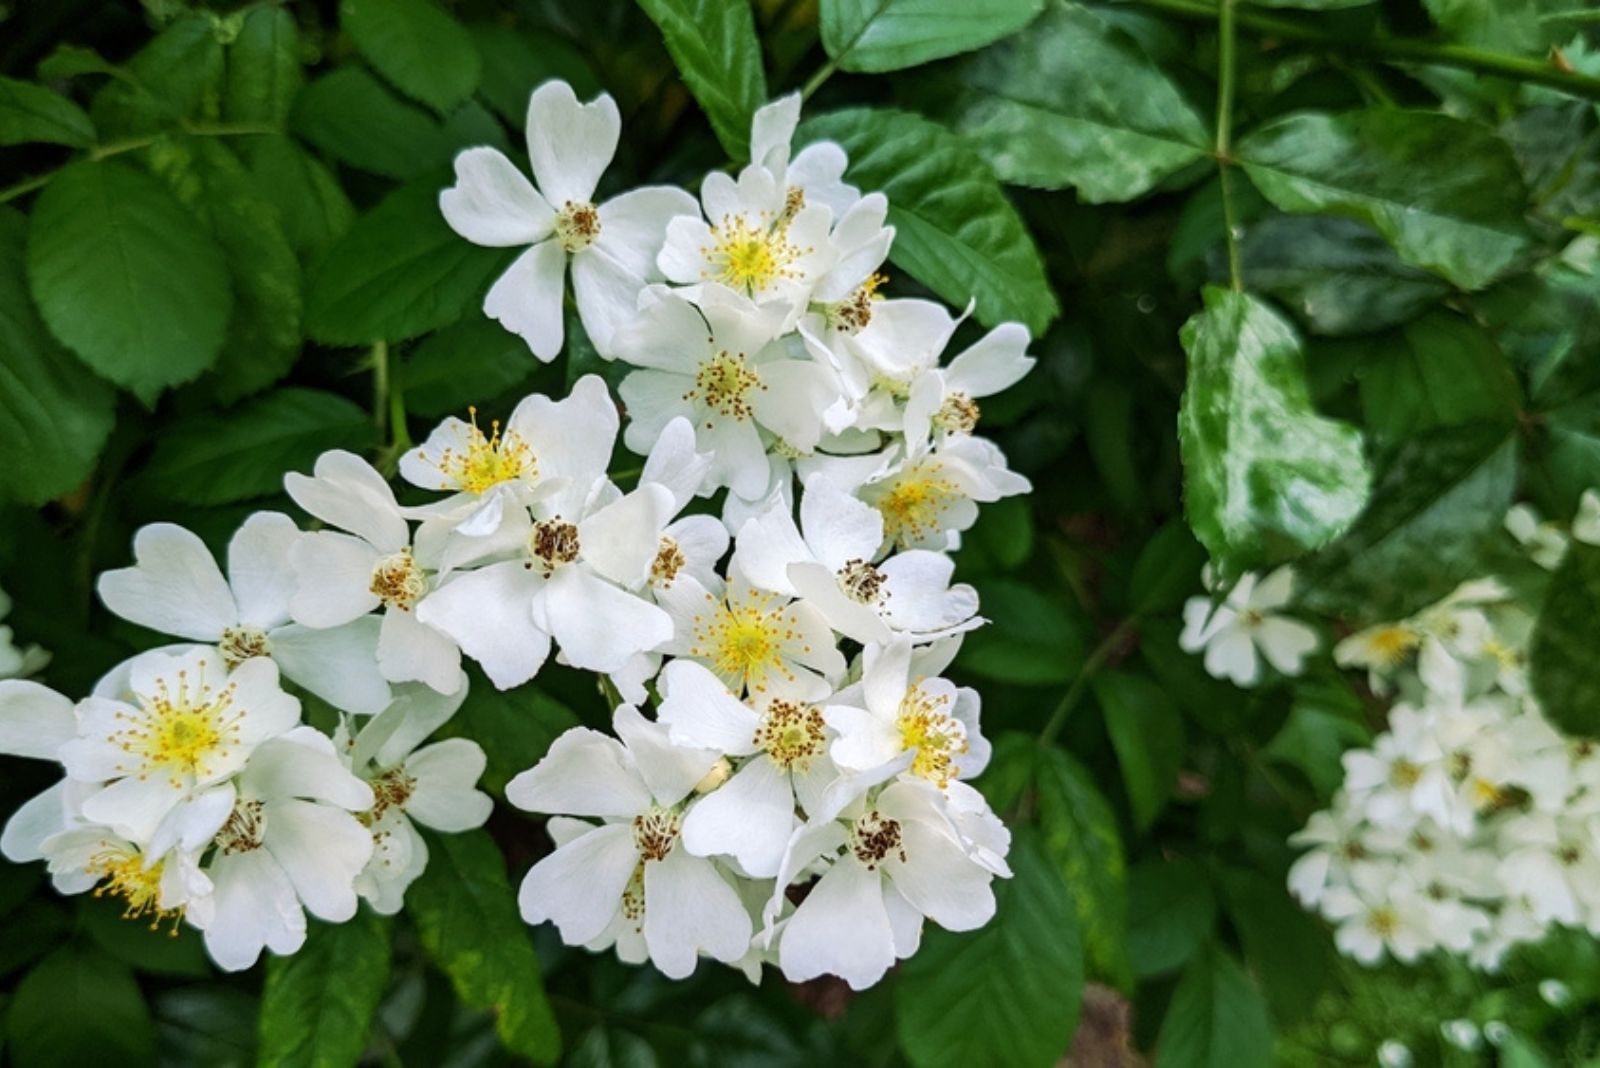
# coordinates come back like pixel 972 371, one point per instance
pixel 1462 57
pixel 1227 64
pixel 117 148
pixel 814 83
pixel 1091 667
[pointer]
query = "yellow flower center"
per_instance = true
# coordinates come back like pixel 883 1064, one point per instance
pixel 1404 774
pixel 125 876
pixel 938 737
pixel 1383 922
pixel 577 225
pixel 654 832
pixel 180 729
pixel 240 643
pixel 744 642
pixel 724 383
pixel 1392 644
pixel 488 460
pixel 398 582
pixel 750 258
pixel 791 734
pixel 874 838
pixel 852 314
pixel 958 415
pixel 914 503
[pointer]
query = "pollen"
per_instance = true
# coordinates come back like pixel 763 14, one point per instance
pixel 724 383
pixel 124 875
pixel 391 789
pixel 914 503
pixel 1403 774
pixel 668 562
pixel 1390 645
pixel 874 838
pixel 241 643
pixel 179 730
pixel 861 582
pixel 751 258
pixel 1383 922
pixel 655 831
pixel 745 641
pixel 398 582
pixel 553 542
pixel 245 829
pixel 926 725
pixel 853 314
pixel 958 414
pixel 577 225
pixel 791 734
pixel 488 459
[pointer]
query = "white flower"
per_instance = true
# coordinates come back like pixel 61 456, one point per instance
pixel 176 588
pixel 889 713
pixel 1553 861
pixel 1545 542
pixel 183 723
pixel 612 246
pixel 16 661
pixel 1586 525
pixel 1246 623
pixel 817 169
pixel 1403 775
pixel 341 577
pixel 1339 838
pixel 782 748
pixel 155 887
pixel 928 495
pixel 892 860
pixel 35 721
pixel 630 872
pixel 1380 911
pixel 717 365
pixel 285 839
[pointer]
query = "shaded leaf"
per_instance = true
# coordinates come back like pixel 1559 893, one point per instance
pixel 1147 733
pixel 264 72
pixel 1171 910
pixel 318 1004
pixel 714 44
pixel 352 117
pixel 880 35
pixel 515 727
pixel 311 206
pixel 1565 669
pixel 1217 1018
pixel 517 63
pixel 1439 370
pixel 468 363
pixel 32 114
pixel 417 46
pixel 1030 639
pixel 78 1007
pixel 1079 833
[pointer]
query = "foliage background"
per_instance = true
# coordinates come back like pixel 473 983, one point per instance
pixel 220 255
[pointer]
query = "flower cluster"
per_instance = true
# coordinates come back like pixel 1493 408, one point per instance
pixel 1471 825
pixel 774 586
pixel 1245 625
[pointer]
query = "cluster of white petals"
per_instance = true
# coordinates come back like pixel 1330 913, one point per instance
pixel 771 600
pixel 1471 825
pixel 1245 625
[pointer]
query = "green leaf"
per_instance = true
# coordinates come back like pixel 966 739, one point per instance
pixel 469 363
pixel 1565 669
pixel 263 336
pixel 1171 911
pixel 67 61
pixel 872 36
pixel 264 71
pixel 1566 457
pixel 515 727
pixel 1435 508
pixel 1266 477
pixel 79 1006
pixel 1003 994
pixel 1440 370
pixel 398 272
pixel 1338 275
pixel 354 118
pixel 1147 733
pixel 420 49
pixel 1286 945
pixel 1217 1018
pixel 1323 722
pixel 1164 576
pixel 177 75
pixel 1077 101
pixel 516 63
pixel 32 114
pixel 126 278
pixel 1079 833
pixel 1522 26
pixel 466 917
pixel 318 1004
pixel 955 232
pixel 714 44
pixel 218 458
pixel 1030 639
pixel 311 206
pixel 1445 192
pixel 177 951
pixel 52 411
pixel 208 1024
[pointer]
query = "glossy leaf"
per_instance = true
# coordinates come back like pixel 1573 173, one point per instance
pixel 880 35
pixel 955 232
pixel 32 114
pixel 354 118
pixel 1446 193
pixel 1565 669
pixel 311 206
pixel 714 44
pixel 1147 733
pixel 126 278
pixel 1001 994
pixel 1078 831
pixel 318 1005
pixel 79 1007
pixel 264 71
pixel 1266 477
pixel 466 916
pixel 1076 101
pixel 1171 911
pixel 1439 370
pixel 1217 1018
pixel 418 47
pixel 178 75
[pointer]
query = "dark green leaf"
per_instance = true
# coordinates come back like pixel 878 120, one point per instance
pixel 207 1024
pixel 264 72
pixel 1566 459
pixel 419 48
pixel 880 35
pixel 33 114
pixel 1266 477
pixel 1439 370
pixel 318 1004
pixel 1166 573
pixel 208 459
pixel 955 232
pixel 1434 509
pixel 1079 833
pixel 1324 721
pixel 167 950
pixel 1566 671
pixel 1217 1018
pixel 714 44
pixel 1286 945
pixel 514 727
pixel 515 64
pixel 177 75
pixel 1445 192
pixel 79 1007
pixel 67 61
pixel 473 361
pixel 126 278
pixel 1147 733
pixel 1171 910
pixel 398 272
pixel 51 409
pixel 1002 994
pixel 466 916
pixel 1030 639
pixel 311 206
pixel 352 117
pixel 1076 101
pixel 1524 26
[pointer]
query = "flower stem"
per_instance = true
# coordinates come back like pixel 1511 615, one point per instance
pixel 1091 667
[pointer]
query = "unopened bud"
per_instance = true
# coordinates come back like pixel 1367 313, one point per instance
pixel 715 777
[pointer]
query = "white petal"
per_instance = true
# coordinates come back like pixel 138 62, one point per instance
pixel 598 626
pixel 253 907
pixel 35 721
pixel 493 203
pixel 579 886
pixel 621 540
pixel 675 464
pixel 489 613
pixel 526 299
pixel 347 492
pixel 750 818
pixel 688 909
pixel 134 807
pixel 670 771
pixel 38 818
pixel 841 928
pixel 303 764
pixel 446 773
pixel 571 438
pixel 259 571
pixel 333 579
pixel 996 361
pixel 797 393
pixel 585 773
pixel 173 587
pixel 1286 643
pixel 417 712
pixel 412 651
pixel 940 880
pixel 838 526
pixel 771 129
pixel 322 849
pixel 338 664
pixel 1231 655
pixel 919 595
pixel 570 144
pixel 767 545
pixel 607 295
pixel 698 710
pixel 633 226
pixel 885 677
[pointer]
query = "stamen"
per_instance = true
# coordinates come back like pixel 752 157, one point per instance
pixel 577 225
pixel 488 460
